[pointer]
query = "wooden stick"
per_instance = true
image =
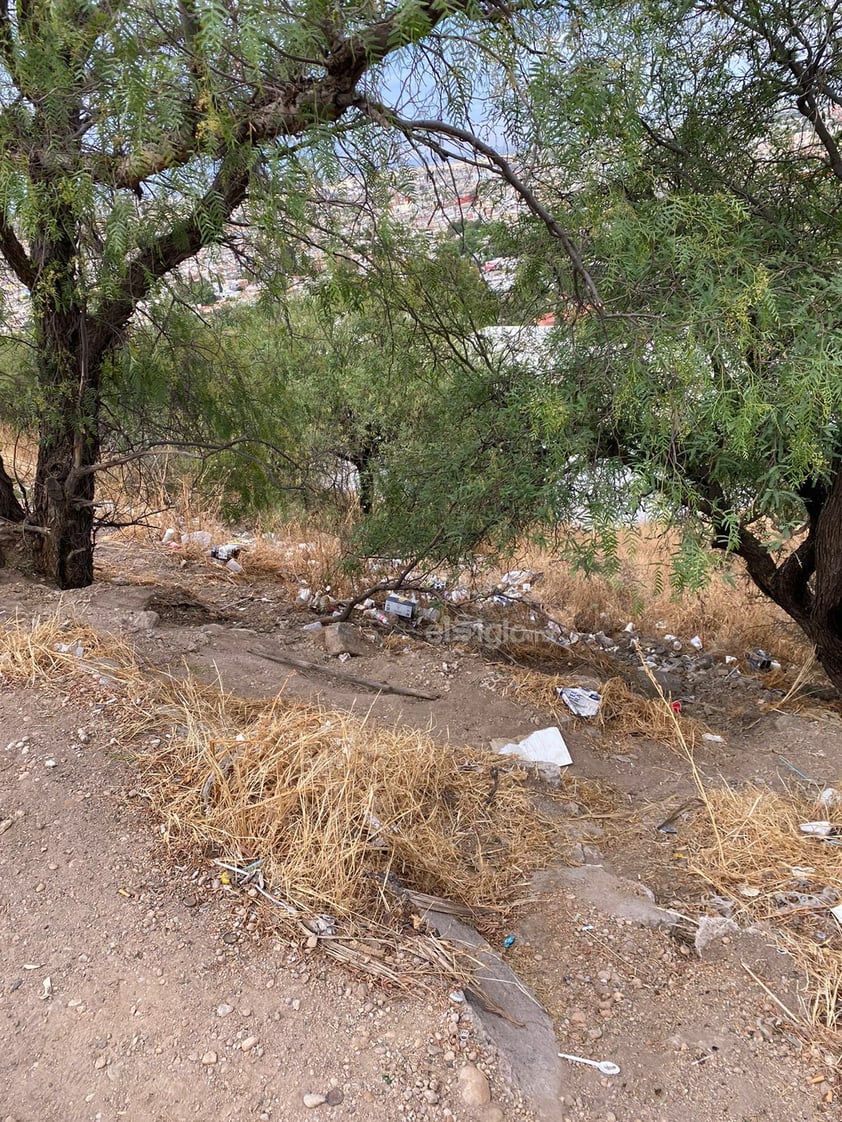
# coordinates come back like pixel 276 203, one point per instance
pixel 792 1016
pixel 351 679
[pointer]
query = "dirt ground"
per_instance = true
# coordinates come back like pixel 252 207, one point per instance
pixel 127 993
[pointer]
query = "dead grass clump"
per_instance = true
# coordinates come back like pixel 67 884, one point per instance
pixel 332 807
pixel 622 712
pixel 55 649
pixel 777 875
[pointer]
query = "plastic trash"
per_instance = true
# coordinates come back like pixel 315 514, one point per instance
pixel 403 606
pixel 821 829
pixel 233 565
pixel 829 797
pixel 226 552
pixel 197 537
pixel 582 702
pixel 509 942
pixel 696 643
pixel 758 659
pixel 304 596
pixel 546 746
pixel 606 1067
pixel 713 738
pixel 170 534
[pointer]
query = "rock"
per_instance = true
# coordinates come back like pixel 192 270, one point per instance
pixel 312 1100
pixel 248 1043
pixel 334 1097
pixel 610 894
pixel 100 1062
pixel 669 683
pixel 711 931
pixel 492 1112
pixel 143 621
pixel 343 638
pixel 473 1086
pixel 587 854
pixel 209 1059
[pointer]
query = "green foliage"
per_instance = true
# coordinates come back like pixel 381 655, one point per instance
pixel 708 214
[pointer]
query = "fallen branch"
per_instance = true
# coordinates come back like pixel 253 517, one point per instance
pixel 351 679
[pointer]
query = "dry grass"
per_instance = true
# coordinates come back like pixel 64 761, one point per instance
pixel 32 651
pixel 331 806
pixel 334 811
pixel 776 875
pixel 729 615
pixel 622 712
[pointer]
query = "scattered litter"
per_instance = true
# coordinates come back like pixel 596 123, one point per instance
pixel 758 659
pixel 76 649
pixel 509 942
pixel 304 596
pixel 457 997
pixel 50 762
pixel 197 537
pixel 821 829
pixel 713 738
pixel 696 643
pixel 730 660
pixel 170 534
pixel 316 626
pixel 226 552
pixel 403 606
pixel 830 797
pixel 837 914
pixel 606 1067
pixel 675 706
pixel 582 702
pixel 233 566
pixel 546 746
pixel 47 988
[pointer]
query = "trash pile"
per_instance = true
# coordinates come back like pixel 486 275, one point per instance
pixel 226 554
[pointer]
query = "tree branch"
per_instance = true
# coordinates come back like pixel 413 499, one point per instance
pixel 383 115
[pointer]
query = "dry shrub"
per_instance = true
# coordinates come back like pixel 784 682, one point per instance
pixel 33 650
pixel 330 805
pixel 776 875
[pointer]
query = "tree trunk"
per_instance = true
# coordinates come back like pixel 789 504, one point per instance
pixel 68 447
pixel 10 508
pixel 63 497
pixel 807 585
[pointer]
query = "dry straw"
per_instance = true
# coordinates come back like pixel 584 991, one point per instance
pixel 776 875
pixel 337 815
pixel 622 711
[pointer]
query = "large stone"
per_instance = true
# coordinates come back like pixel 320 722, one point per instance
pixel 670 683
pixel 473 1086
pixel 524 1036
pixel 343 638
pixel 610 894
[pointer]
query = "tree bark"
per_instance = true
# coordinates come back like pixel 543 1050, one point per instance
pixel 807 585
pixel 69 445
pixel 10 508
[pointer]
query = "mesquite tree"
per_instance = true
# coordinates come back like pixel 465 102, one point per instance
pixel 700 147
pixel 131 134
